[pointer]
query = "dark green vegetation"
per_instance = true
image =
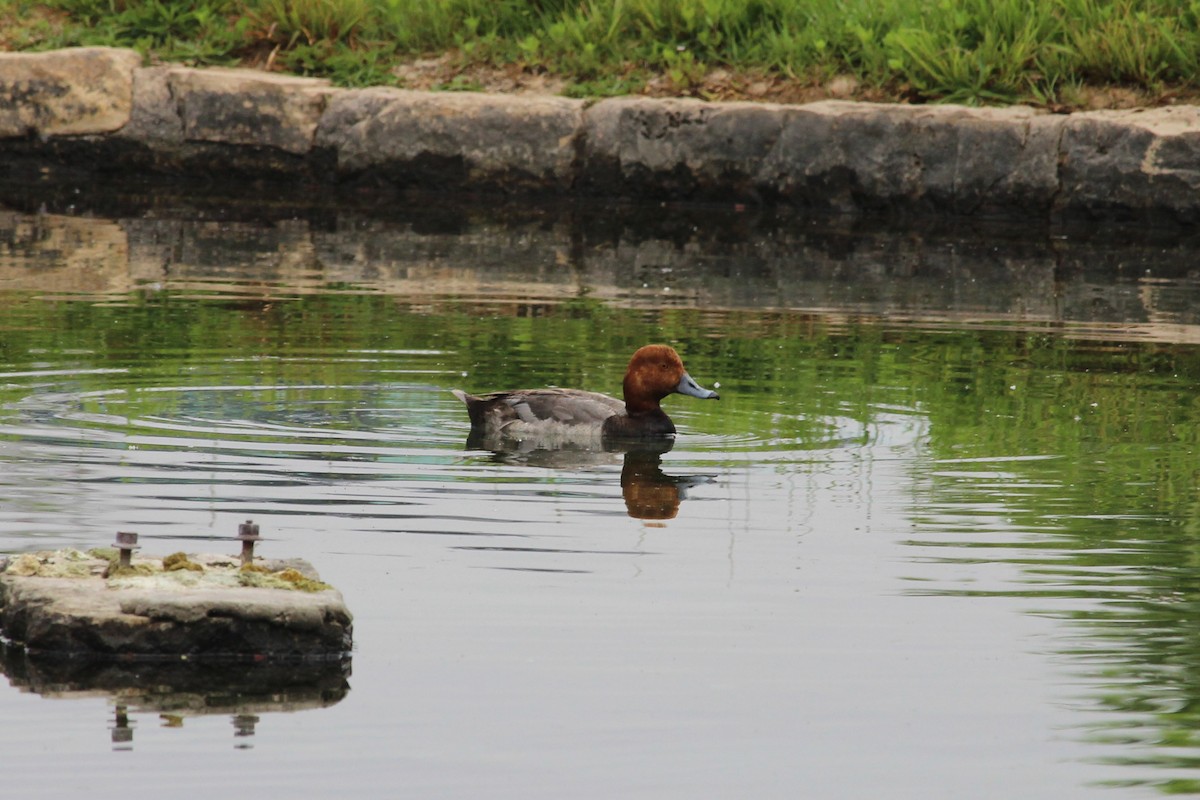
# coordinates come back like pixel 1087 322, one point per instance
pixel 1050 52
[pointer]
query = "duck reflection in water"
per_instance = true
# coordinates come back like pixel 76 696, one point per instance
pixel 649 493
pixel 571 427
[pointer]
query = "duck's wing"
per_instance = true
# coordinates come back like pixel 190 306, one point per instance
pixel 564 406
pixel 497 410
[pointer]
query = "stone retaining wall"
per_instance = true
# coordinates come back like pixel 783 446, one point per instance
pixel 99 110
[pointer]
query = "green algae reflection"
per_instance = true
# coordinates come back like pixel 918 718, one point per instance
pixel 1070 462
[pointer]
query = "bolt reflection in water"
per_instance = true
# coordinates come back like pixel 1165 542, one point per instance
pixel 243 728
pixel 122 730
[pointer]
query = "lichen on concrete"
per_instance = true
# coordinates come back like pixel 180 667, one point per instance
pixel 67 563
pixel 288 579
pixel 178 561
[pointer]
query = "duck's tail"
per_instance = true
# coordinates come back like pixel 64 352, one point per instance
pixel 474 405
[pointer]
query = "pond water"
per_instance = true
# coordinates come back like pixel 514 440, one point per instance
pixel 939 537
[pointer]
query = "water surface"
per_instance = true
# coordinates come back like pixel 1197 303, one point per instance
pixel 937 539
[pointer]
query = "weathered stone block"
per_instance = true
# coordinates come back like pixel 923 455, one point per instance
pixel 154 118
pixel 832 155
pixel 453 140
pixel 67 92
pixel 850 155
pixel 1140 163
pixel 246 107
pixel 680 148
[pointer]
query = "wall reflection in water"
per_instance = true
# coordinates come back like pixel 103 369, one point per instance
pixel 691 257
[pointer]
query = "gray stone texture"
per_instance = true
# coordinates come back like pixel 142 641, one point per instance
pixel 454 139
pixel 249 108
pixel 1133 161
pixel 98 109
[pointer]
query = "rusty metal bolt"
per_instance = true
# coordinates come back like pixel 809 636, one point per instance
pixel 248 534
pixel 126 543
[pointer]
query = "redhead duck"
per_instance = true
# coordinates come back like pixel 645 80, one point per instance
pixel 654 372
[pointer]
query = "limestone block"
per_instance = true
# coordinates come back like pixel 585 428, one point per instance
pixel 1142 160
pixel 247 107
pixel 837 155
pixel 154 117
pixel 679 146
pixel 66 92
pixel 844 155
pixel 448 139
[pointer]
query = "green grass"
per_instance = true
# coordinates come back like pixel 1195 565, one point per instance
pixel 969 51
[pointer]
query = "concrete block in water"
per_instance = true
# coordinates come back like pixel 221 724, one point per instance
pixel 75 603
